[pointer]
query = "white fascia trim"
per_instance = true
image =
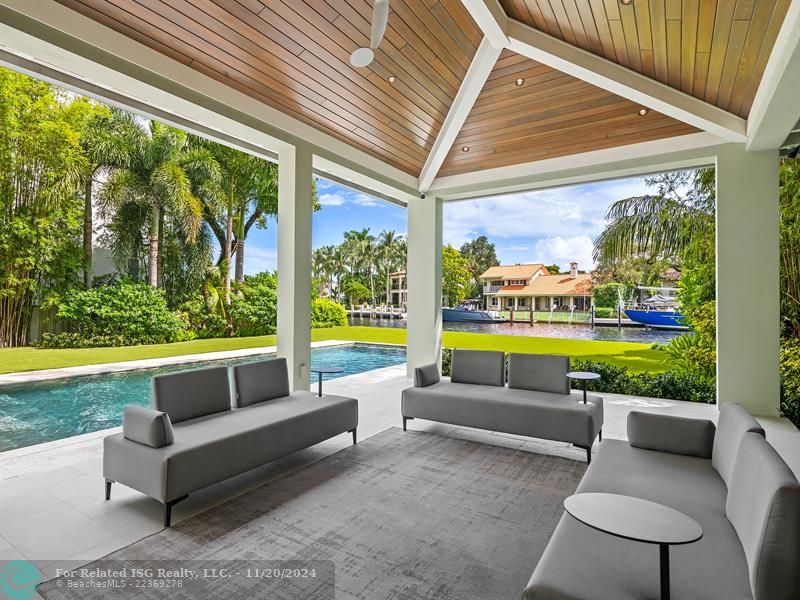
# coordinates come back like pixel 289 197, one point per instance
pixel 490 18
pixel 479 70
pixel 100 56
pixel 686 151
pixel 623 82
pixel 776 106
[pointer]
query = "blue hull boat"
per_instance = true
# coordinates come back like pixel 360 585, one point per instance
pixel 660 319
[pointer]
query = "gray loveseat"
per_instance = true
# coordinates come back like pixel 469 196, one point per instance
pixel 729 479
pixel 194 436
pixel 537 401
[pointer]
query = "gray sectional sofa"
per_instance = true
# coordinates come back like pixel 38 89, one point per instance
pixel 537 401
pixel 729 479
pixel 195 436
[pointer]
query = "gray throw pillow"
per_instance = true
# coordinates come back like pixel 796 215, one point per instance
pixel 147 426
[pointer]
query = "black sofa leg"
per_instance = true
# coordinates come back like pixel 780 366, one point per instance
pixel 108 489
pixel 168 509
pixel 406 420
pixel 589 455
pixel 600 436
pixel 353 431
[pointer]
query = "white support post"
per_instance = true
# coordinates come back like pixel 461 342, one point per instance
pixel 424 320
pixel 748 291
pixel 294 262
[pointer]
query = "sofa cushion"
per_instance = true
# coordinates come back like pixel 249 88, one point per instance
pixel 733 422
pixel 521 412
pixel 215 447
pixel 764 507
pixel 540 372
pixel 260 381
pixel 192 394
pixel 426 375
pixel 479 367
pixel 147 426
pixel 668 433
pixel 581 563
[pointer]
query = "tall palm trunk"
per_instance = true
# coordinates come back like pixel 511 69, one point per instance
pixel 239 261
pixel 388 287
pixel 152 264
pixel 87 233
pixel 227 255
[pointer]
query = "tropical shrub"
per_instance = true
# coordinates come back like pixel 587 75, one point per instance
pixel 696 353
pixel 790 380
pixel 327 313
pixel 604 312
pixel 254 306
pixel 123 314
pixel 607 295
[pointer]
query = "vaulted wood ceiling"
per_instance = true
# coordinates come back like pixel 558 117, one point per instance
pixel 551 114
pixel 715 50
pixel 294 56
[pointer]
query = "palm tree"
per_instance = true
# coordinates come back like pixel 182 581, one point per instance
pixel 359 246
pixel 389 256
pixel 156 180
pixel 108 141
pixel 659 225
pixel 323 266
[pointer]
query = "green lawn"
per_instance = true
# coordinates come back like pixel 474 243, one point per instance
pixel 637 357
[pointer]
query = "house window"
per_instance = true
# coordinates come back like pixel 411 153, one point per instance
pixel 522 302
pixel 510 302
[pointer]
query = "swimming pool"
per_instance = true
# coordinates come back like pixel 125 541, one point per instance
pixel 32 413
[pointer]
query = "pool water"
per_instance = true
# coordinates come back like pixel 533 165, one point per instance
pixel 33 413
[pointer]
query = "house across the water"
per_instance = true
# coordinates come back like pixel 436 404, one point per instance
pixel 526 286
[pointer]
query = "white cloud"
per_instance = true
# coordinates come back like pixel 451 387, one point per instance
pixel 331 199
pixel 258 259
pixel 562 251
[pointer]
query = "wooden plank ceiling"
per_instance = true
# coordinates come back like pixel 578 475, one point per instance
pixel 551 114
pixel 715 50
pixel 294 56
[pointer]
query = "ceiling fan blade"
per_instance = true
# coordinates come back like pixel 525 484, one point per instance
pixel 380 17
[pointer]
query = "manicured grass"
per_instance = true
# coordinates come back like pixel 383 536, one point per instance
pixel 637 357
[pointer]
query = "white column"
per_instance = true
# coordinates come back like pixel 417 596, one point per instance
pixel 748 292
pixel 424 325
pixel 294 263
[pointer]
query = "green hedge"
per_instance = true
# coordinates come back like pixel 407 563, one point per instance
pixel 123 314
pixel 790 380
pixel 327 313
pixel 672 385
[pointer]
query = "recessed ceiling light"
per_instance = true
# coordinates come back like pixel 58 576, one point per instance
pixel 626 2
pixel 643 112
pixel 465 149
pixel 392 78
pixel 520 81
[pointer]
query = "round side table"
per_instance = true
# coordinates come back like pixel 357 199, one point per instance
pixel 584 376
pixel 637 520
pixel 320 371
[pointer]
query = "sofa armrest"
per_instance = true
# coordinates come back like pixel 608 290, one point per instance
pixel 426 375
pixel 666 433
pixel 147 426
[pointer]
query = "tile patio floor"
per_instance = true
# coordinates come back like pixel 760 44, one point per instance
pixel 52 507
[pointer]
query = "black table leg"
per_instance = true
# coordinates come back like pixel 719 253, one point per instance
pixel 664 559
pixel 320 384
pixel 584 391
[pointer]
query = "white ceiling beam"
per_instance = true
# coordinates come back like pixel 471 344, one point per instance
pixel 776 106
pixel 685 151
pixel 491 19
pixel 479 69
pixel 623 82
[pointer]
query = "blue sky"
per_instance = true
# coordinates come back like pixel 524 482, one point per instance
pixel 549 226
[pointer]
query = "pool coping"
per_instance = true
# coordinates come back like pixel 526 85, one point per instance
pixel 151 363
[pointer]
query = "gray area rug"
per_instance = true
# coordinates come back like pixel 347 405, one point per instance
pixel 400 516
